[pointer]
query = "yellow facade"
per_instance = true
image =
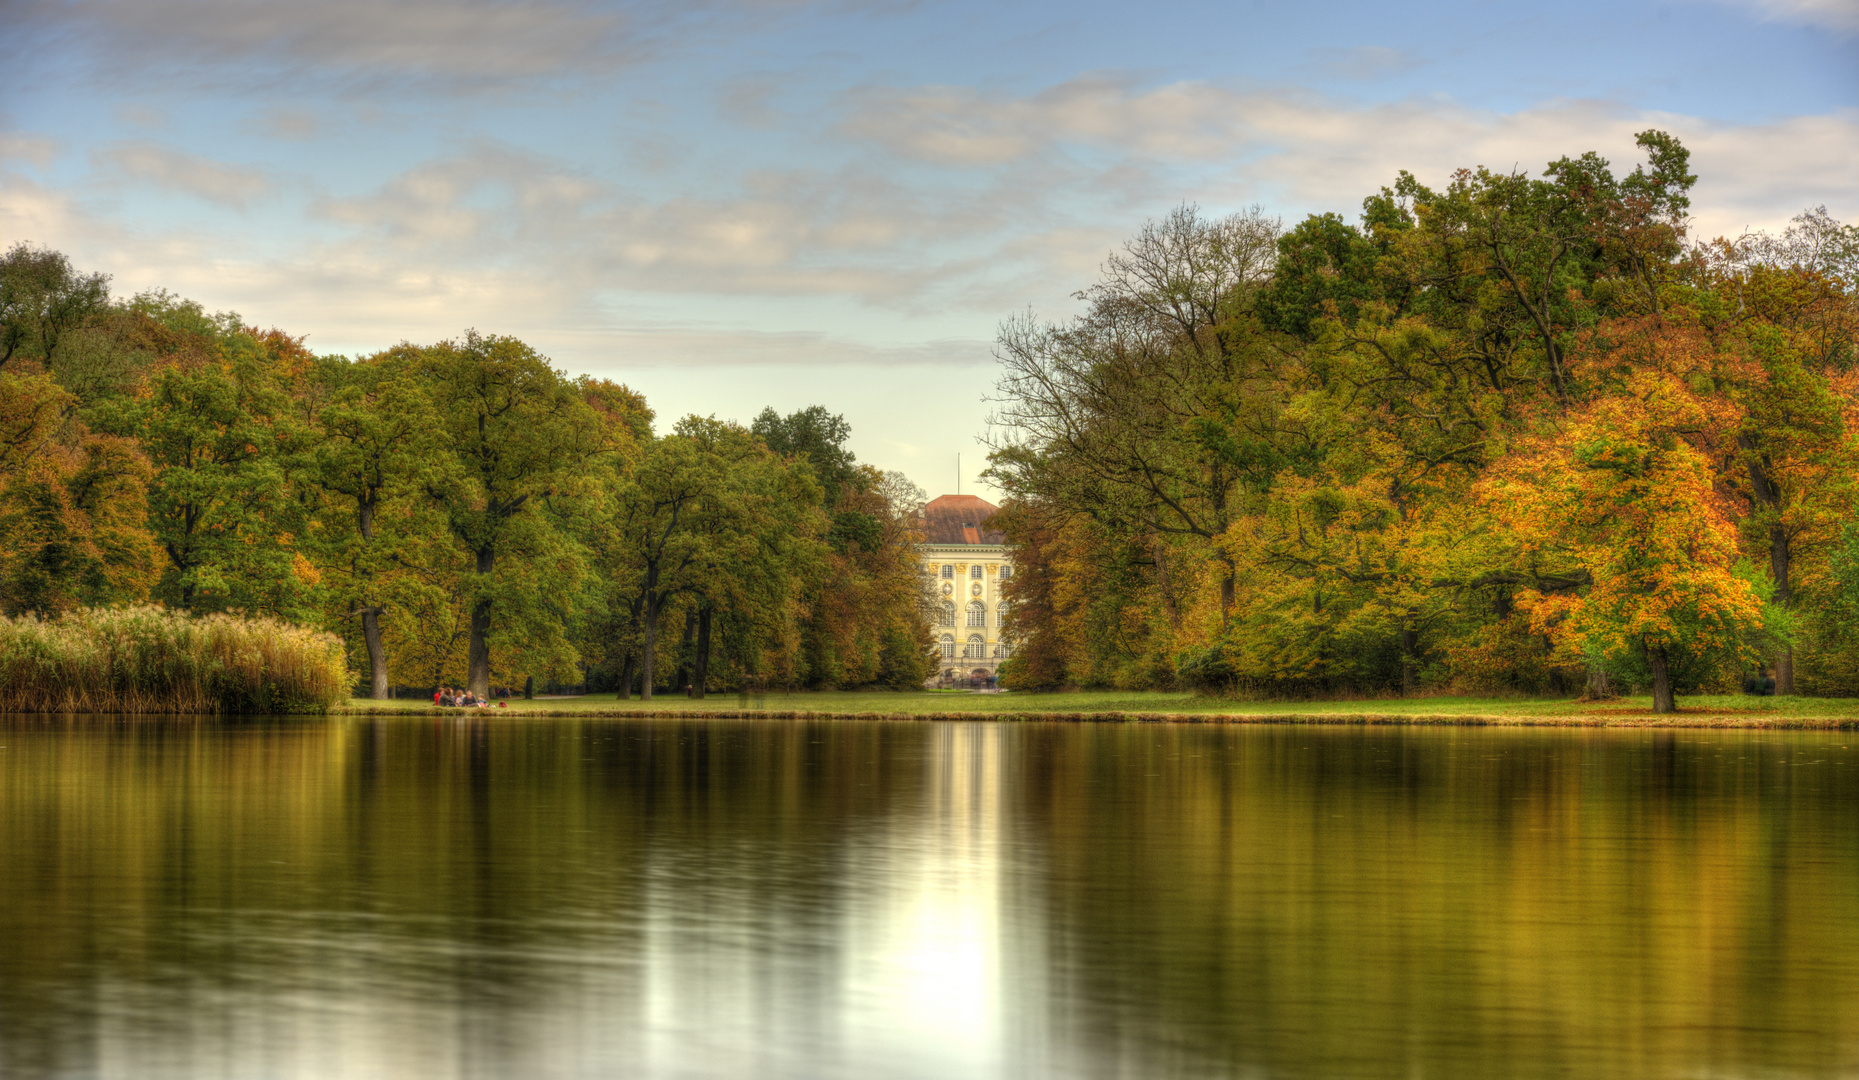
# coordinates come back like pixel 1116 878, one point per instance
pixel 967 581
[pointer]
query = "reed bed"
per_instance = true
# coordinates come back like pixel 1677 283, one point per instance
pixel 152 660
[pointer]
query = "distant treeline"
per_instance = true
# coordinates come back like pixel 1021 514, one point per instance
pixel 460 513
pixel 1513 434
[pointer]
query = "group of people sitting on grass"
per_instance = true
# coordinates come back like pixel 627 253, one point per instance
pixel 463 699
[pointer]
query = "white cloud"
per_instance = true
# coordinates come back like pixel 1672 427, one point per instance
pixel 1839 16
pixel 177 170
pixel 136 114
pixel 288 124
pixel 858 258
pixel 800 349
pixel 37 150
pixel 366 44
pixel 853 233
pixel 964 127
pixel 458 40
pixel 1365 61
pixel 34 213
pixel 1756 174
pixel 1288 148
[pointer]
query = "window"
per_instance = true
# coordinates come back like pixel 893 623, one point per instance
pixel 948 571
pixel 1006 572
pixel 1003 651
pixel 977 613
pixel 977 648
pixel 975 571
pixel 1000 613
pixel 948 646
pixel 948 613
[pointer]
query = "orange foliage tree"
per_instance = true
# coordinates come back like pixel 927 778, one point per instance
pixel 73 506
pixel 1626 492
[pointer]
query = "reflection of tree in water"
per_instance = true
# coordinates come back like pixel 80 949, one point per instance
pixel 637 897
pixel 1344 902
pixel 192 892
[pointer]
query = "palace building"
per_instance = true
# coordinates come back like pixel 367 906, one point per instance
pixel 967 561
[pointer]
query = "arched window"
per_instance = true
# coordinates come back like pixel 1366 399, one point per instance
pixel 1003 651
pixel 977 614
pixel 977 648
pixel 948 571
pixel 975 571
pixel 948 613
pixel 948 646
pixel 1000 613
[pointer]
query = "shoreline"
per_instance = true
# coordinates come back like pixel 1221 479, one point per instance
pixel 1349 719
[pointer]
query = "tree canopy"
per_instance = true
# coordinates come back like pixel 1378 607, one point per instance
pixel 464 513
pixel 1513 432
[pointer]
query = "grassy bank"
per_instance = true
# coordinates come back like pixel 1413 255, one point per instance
pixel 1122 706
pixel 151 660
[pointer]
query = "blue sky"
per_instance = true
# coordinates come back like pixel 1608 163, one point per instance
pixel 735 203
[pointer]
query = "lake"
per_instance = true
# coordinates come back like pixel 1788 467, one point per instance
pixel 484 897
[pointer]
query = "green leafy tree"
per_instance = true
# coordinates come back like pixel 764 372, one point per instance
pixel 41 300
pixel 1155 412
pixel 751 543
pixel 376 448
pixel 522 438
pixel 215 424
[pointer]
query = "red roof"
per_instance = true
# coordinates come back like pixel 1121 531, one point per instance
pixel 960 519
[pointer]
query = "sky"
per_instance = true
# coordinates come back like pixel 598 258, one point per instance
pixel 732 204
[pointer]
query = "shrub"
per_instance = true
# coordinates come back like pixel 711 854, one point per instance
pixel 152 660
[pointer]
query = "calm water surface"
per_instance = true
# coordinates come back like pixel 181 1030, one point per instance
pixel 409 899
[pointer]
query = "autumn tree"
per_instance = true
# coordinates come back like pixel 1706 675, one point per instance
pixel 1154 412
pixel 374 450
pixel 752 543
pixel 647 542
pixel 73 506
pixel 215 424
pixel 863 612
pixel 521 437
pixel 41 300
pixel 1624 492
pixel 1788 306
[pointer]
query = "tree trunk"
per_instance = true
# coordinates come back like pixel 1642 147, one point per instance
pixel 1661 679
pixel 700 664
pixel 681 678
pixel 1410 642
pixel 1600 687
pixel 377 653
pixel 371 614
pixel 648 648
pixel 626 676
pixel 1161 577
pixel 1781 560
pixel 478 672
pixel 1226 594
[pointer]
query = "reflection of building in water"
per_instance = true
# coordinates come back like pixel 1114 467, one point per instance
pixel 968 561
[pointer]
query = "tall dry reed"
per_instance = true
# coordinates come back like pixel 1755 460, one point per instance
pixel 152 660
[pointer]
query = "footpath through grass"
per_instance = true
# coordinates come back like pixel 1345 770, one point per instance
pixel 1111 705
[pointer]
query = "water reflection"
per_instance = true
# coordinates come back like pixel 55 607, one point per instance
pixel 688 899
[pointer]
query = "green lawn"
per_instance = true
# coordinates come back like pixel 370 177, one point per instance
pixel 1627 710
